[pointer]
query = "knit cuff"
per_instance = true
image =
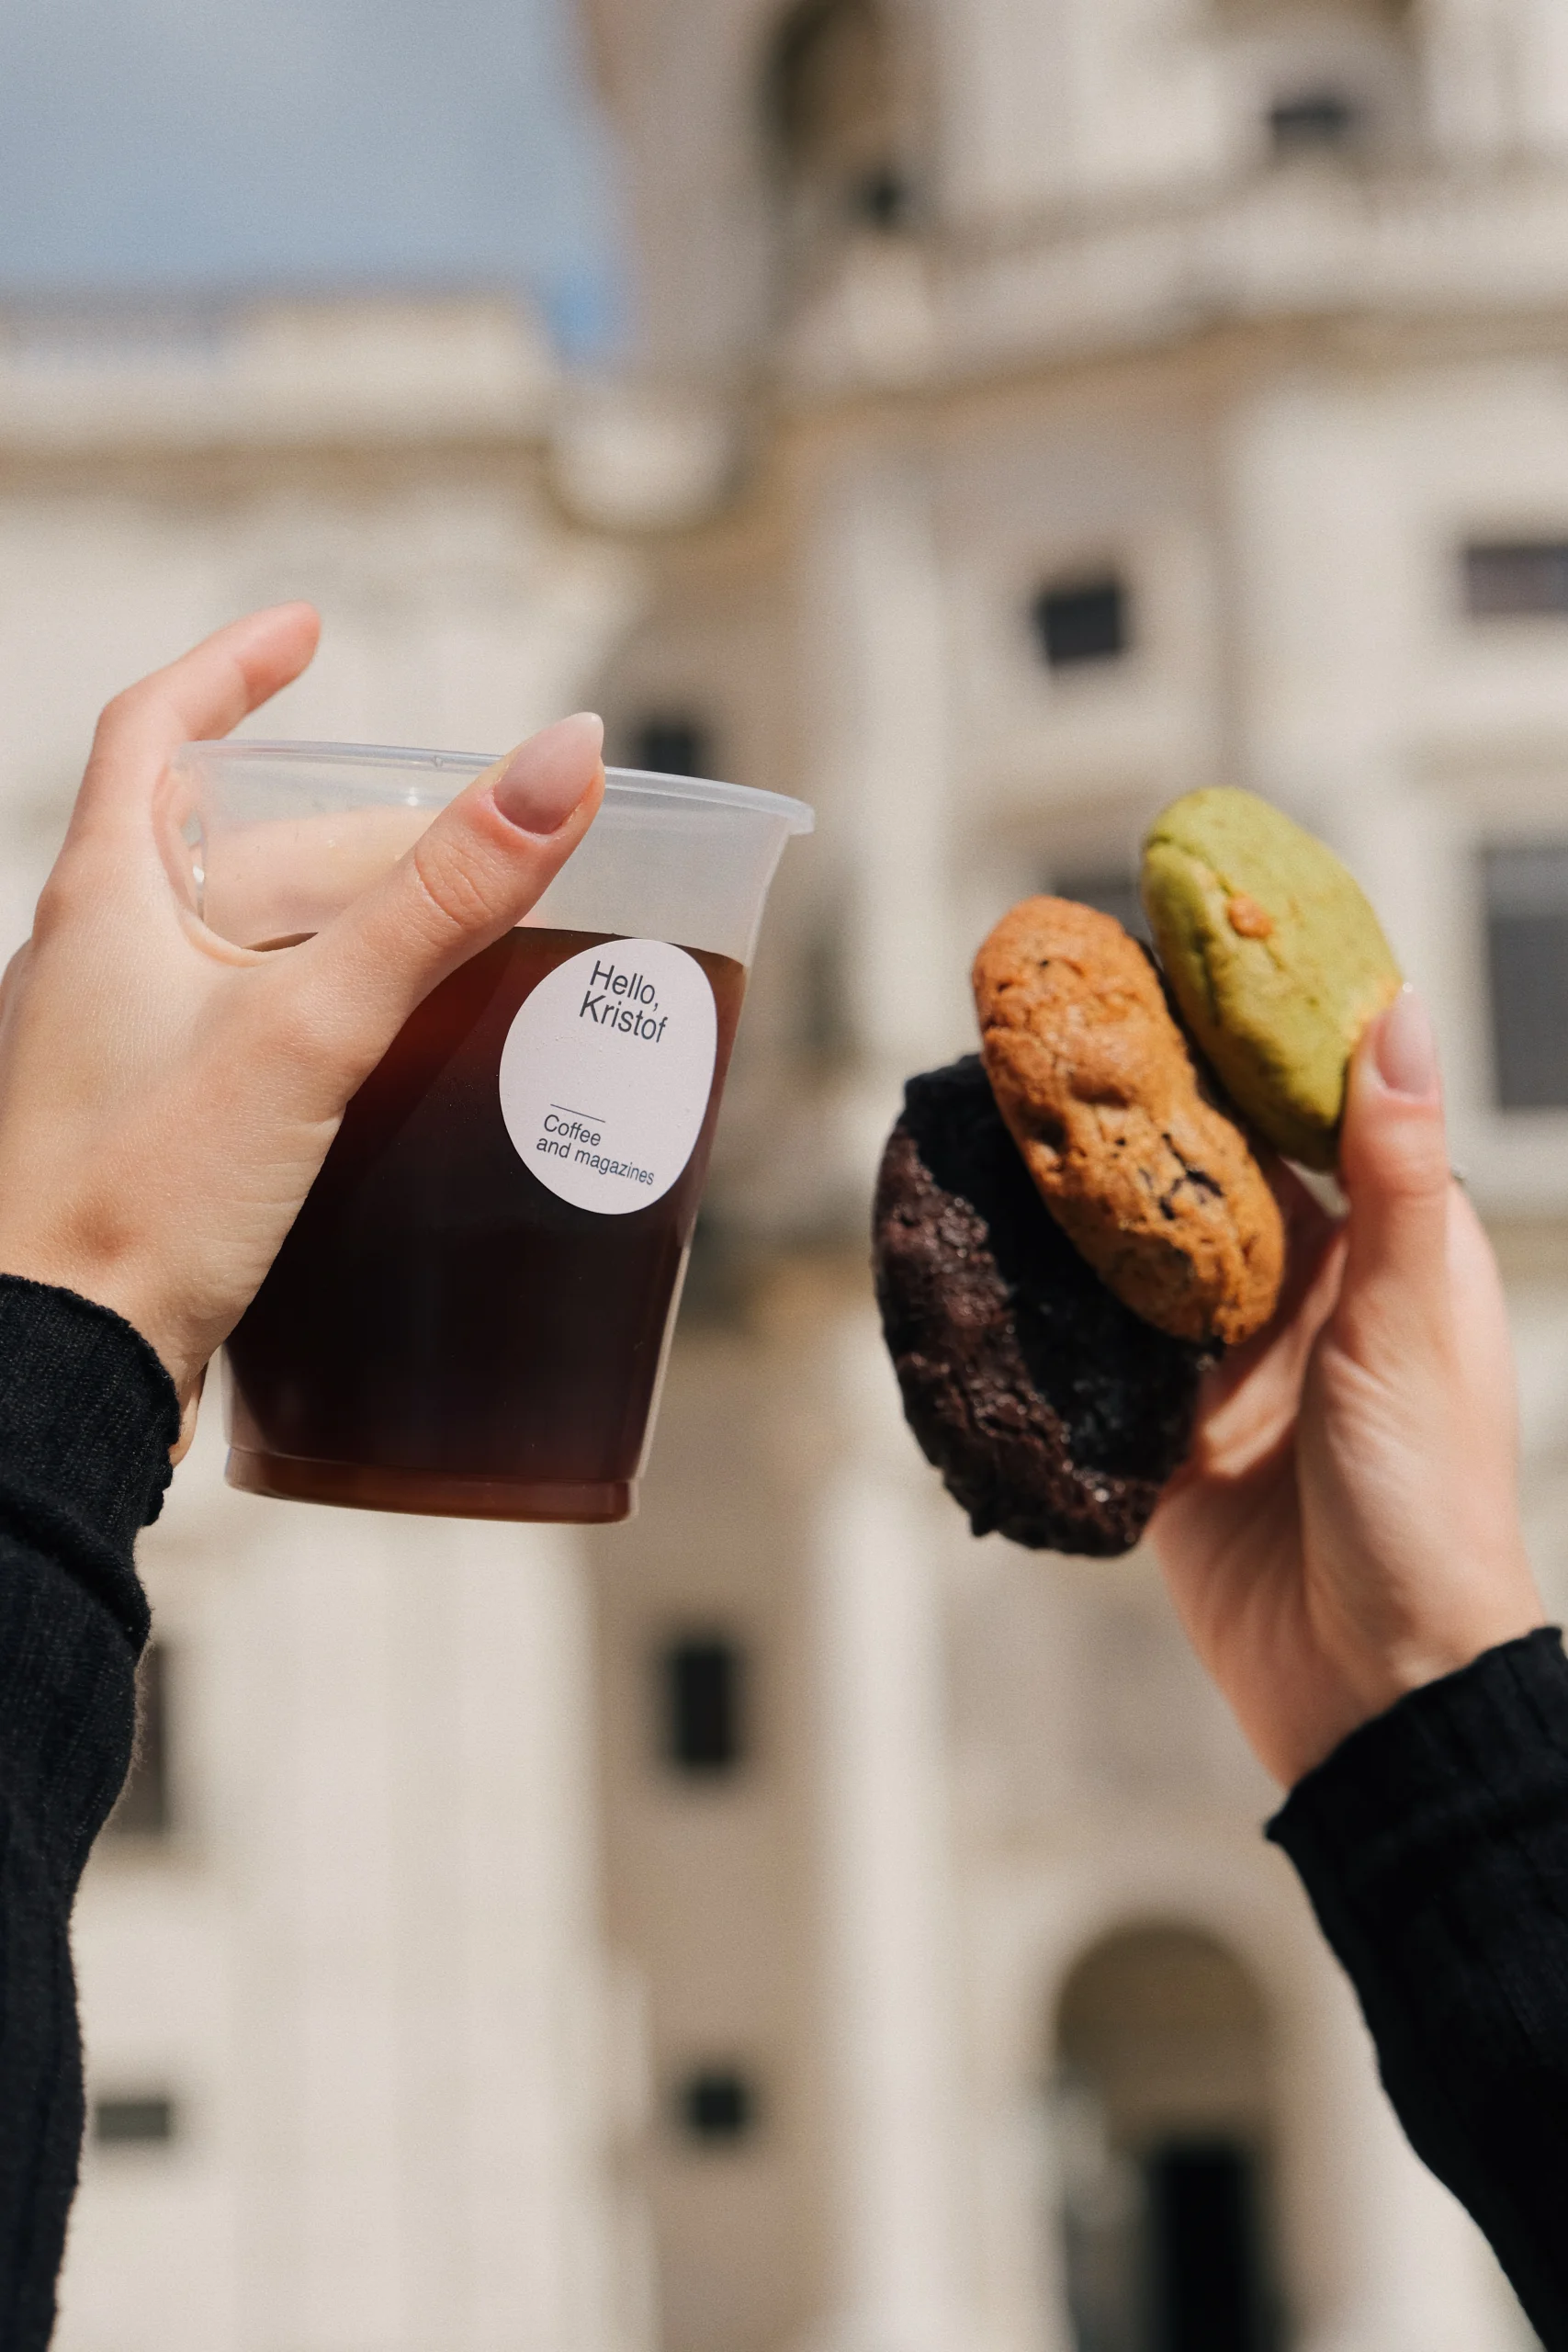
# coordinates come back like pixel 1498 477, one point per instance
pixel 87 1417
pixel 1464 1759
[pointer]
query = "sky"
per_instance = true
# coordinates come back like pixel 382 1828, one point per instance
pixel 193 146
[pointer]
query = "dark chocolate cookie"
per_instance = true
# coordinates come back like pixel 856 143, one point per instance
pixel 1053 1411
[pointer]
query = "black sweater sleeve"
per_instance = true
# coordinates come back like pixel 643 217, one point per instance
pixel 87 1416
pixel 1434 1845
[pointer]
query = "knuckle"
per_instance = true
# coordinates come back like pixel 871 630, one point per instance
pixel 1416 1168
pixel 292 1027
pixel 14 985
pixel 452 882
pixel 310 1037
pixel 58 903
pixel 118 711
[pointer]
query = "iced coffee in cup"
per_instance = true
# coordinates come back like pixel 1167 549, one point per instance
pixel 471 1312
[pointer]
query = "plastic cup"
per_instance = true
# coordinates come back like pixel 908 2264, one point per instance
pixel 471 1312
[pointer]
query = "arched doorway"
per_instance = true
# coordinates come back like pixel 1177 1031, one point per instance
pixel 1160 2103
pixel 836 110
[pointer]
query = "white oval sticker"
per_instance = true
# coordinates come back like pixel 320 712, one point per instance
pixel 606 1072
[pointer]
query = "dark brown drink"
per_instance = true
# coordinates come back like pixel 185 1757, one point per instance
pixel 440 1332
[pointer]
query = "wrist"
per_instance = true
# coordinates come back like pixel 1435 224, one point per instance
pixel 1416 1659
pixel 90 1413
pixel 111 1284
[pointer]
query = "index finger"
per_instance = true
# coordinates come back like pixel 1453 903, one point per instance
pixel 206 693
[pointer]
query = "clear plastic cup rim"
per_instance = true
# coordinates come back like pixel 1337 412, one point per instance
pixel 690 790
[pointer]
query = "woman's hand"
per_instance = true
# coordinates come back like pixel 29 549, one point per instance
pixel 167 1098
pixel 1348 1527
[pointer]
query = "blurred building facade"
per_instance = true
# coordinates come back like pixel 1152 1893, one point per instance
pixel 783 1922
pixel 1115 396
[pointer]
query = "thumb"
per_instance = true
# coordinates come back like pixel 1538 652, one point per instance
pixel 472 874
pixel 1393 1163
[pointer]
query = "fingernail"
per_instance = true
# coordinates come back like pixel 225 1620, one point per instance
pixel 542 782
pixel 1405 1049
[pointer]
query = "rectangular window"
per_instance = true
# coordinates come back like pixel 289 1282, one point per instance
pixel 1311 120
pixel 717 2106
pixel 1505 579
pixel 672 743
pixel 145 2121
pixel 143 1810
pixel 1082 620
pixel 1526 951
pixel 703 1705
pixel 822 991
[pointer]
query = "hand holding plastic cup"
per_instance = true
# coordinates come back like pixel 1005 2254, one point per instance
pixel 471 1314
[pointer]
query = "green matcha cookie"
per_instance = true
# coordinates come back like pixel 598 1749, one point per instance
pixel 1275 958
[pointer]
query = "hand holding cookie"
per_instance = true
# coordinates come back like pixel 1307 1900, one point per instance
pixel 1347 1526
pixel 1080 1244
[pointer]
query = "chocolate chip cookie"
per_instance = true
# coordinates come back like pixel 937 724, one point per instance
pixel 1053 1414
pixel 1145 1172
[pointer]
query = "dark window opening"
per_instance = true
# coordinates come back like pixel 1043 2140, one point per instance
pixel 143 1809
pixel 1166 2252
pixel 1112 888
pixel 705 1695
pixel 140 2121
pixel 837 107
pixel 717 2106
pixel 1312 119
pixel 828 87
pixel 823 996
pixel 883 198
pixel 1202 2248
pixel 1527 953
pixel 719 1287
pixel 1506 578
pixel 1083 621
pixel 672 746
